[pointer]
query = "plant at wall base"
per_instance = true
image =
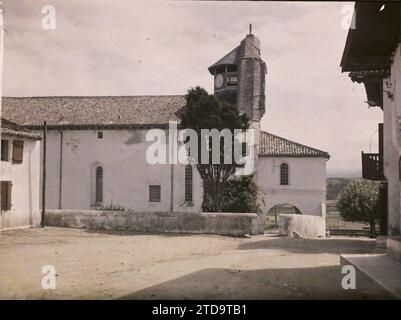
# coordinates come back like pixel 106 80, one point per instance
pixel 361 201
pixel 110 206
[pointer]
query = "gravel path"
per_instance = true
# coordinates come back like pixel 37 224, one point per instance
pixel 118 265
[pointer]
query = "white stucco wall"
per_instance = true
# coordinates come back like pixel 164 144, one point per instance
pixel 307 183
pixel 25 187
pixel 392 141
pixel 126 173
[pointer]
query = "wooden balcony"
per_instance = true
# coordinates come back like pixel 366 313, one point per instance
pixel 372 166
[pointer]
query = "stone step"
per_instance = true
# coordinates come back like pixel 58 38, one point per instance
pixel 394 247
pixel 381 268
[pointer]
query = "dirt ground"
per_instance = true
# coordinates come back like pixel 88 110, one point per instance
pixel 118 265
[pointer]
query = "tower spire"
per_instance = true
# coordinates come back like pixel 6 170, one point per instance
pixel 250 28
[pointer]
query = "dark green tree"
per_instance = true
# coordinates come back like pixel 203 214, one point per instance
pixel 360 201
pixel 205 111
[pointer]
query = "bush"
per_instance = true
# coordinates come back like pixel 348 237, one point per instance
pixel 110 206
pixel 241 196
pixel 361 201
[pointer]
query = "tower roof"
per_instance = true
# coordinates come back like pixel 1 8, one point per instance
pixel 230 58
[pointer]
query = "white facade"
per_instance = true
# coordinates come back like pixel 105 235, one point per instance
pixel 306 187
pixel 24 212
pixel 126 173
pixel 392 141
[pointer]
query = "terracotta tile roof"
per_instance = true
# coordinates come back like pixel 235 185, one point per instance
pixel 9 128
pixel 87 112
pixel 271 145
pixel 120 112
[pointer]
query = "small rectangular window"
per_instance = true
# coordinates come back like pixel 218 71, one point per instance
pixel 18 151
pixel 220 70
pixel 5 190
pixel 232 68
pixel 154 193
pixel 100 135
pixel 232 81
pixel 4 150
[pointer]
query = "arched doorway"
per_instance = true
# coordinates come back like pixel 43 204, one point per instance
pixel 272 216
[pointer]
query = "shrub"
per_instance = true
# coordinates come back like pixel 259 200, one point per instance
pixel 361 201
pixel 241 195
pixel 110 206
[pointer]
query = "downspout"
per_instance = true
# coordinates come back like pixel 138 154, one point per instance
pixel 172 143
pixel 172 188
pixel 1 69
pixel 43 223
pixel 61 170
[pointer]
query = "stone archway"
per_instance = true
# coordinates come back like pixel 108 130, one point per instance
pixel 272 215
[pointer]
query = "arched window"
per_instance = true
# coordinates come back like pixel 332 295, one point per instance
pixel 188 183
pixel 99 184
pixel 284 174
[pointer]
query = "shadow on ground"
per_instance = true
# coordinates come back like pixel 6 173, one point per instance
pixel 328 245
pixel 298 283
pixel 137 233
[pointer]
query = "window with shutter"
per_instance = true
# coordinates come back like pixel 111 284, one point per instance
pixel 18 151
pixel 4 150
pixel 5 190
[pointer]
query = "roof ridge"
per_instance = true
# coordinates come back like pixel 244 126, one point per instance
pixel 110 96
pixel 94 110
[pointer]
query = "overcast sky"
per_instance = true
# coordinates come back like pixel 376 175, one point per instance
pixel 125 47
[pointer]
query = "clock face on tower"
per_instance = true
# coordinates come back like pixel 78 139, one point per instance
pixel 218 81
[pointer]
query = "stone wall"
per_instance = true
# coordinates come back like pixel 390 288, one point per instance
pixel 232 224
pixel 307 226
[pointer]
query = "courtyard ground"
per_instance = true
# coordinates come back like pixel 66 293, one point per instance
pixel 119 265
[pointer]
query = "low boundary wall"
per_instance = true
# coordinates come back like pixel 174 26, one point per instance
pixel 307 226
pixel 232 224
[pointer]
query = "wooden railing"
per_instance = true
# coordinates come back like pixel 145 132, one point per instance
pixel 372 166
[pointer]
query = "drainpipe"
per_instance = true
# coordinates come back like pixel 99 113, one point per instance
pixel 61 170
pixel 1 65
pixel 44 174
pixel 172 146
pixel 172 188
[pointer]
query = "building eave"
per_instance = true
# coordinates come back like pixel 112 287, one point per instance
pixel 373 38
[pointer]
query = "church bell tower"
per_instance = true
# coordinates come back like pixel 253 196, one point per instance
pixel 239 77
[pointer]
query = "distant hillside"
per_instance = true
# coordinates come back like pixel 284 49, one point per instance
pixel 335 185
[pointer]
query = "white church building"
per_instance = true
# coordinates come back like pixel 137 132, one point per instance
pixel 96 146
